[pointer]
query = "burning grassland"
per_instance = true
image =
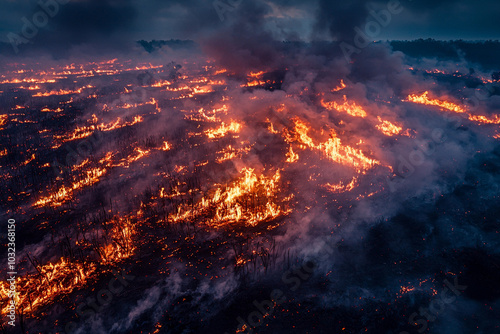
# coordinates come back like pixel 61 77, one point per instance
pixel 204 179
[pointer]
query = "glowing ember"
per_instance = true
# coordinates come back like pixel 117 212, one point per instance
pixel 340 87
pixel 291 156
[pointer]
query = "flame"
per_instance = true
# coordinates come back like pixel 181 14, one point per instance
pixel 87 131
pixel 256 74
pixel 223 130
pixel 424 99
pixel 221 71
pixel 51 110
pixel 62 92
pixel 166 146
pixel 484 119
pixel 341 186
pixel 230 153
pixel 63 277
pixel 348 107
pixel 65 193
pixel 333 149
pixel 137 155
pixel 29 160
pixel 388 128
pixel 291 156
pixel 250 199
pixel 35 291
pixel 340 87
pixel 3 121
pixel 27 80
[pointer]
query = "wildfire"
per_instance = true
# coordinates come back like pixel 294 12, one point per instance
pixel 333 149
pixel 166 146
pixel 89 177
pixel 230 153
pixel 62 92
pixel 348 107
pixel 388 128
pixel 52 280
pixel 250 199
pixel 3 121
pixel 223 130
pixel 341 186
pixel 424 99
pixel 29 160
pixel 87 131
pixel 340 87
pixel 405 289
pixel 216 174
pixel 484 119
pixel 137 155
pixel 291 156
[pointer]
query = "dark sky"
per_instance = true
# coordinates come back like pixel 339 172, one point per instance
pixel 113 22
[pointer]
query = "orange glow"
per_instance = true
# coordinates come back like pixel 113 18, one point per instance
pixel 166 146
pixel 230 153
pixel 28 80
pixel 221 71
pixel 29 160
pixel 333 149
pixel 223 130
pixel 62 92
pixel 424 99
pixel 35 291
pixel 341 186
pixel 340 87
pixel 250 199
pixel 348 107
pixel 405 289
pixel 65 193
pixel 3 120
pixel 291 156
pixel 484 119
pixel 51 110
pixel 87 131
pixel 256 74
pixel 388 128
pixel 54 280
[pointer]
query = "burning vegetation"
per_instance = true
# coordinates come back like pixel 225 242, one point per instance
pixel 157 167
